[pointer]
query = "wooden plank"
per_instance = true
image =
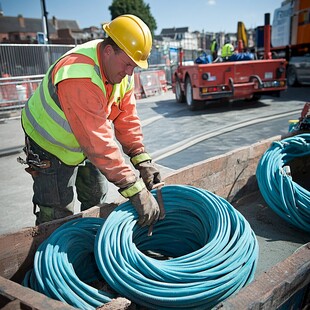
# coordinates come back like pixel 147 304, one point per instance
pixel 274 287
pixel 13 291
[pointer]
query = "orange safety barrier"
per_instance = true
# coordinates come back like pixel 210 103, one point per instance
pixel 138 86
pixel 150 83
pixel 13 91
pixel 162 78
pixel 8 90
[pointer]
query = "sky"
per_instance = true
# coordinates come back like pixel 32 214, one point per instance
pixel 200 15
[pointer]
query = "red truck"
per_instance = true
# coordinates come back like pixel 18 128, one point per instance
pixel 197 84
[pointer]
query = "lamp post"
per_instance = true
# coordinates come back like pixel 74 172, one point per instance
pixel 45 21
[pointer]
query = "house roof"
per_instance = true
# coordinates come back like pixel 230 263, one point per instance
pixel 174 30
pixel 67 24
pixel 12 24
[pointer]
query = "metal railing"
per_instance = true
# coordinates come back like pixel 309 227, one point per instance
pixel 29 59
pixel 22 67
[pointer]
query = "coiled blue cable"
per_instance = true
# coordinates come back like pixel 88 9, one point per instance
pixel 213 248
pixel 285 197
pixel 214 254
pixel 64 264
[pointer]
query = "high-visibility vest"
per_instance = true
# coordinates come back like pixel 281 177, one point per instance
pixel 213 46
pixel 42 117
pixel 227 50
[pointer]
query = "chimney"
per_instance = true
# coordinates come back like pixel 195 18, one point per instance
pixel 21 21
pixel 55 22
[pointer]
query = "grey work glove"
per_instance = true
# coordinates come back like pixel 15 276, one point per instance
pixel 149 173
pixel 146 206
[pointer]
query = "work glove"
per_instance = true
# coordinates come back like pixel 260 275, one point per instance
pixel 148 171
pixel 144 203
pixel 146 206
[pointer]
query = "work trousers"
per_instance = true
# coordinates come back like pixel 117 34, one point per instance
pixel 53 185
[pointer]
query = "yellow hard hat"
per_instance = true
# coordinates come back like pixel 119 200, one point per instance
pixel 133 36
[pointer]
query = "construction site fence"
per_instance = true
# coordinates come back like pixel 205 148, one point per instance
pixel 34 59
pixel 29 59
pixel 15 91
pixel 22 67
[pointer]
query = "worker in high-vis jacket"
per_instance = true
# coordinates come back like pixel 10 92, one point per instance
pixel 227 50
pixel 85 99
pixel 213 49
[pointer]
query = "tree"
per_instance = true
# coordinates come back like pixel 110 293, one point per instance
pixel 135 7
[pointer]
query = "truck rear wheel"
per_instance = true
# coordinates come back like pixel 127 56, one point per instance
pixel 179 94
pixel 291 76
pixel 191 103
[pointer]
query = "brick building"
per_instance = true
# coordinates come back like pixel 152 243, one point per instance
pixel 28 30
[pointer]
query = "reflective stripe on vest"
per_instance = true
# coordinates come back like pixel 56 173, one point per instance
pixel 43 119
pixel 45 123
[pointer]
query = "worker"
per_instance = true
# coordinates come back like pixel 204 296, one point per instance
pixel 213 49
pixel 85 98
pixel 227 51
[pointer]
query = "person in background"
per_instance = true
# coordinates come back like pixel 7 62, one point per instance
pixel 85 98
pixel 227 51
pixel 214 49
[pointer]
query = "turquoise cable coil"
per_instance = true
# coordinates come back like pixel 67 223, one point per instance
pixel 64 264
pixel 212 248
pixel 213 252
pixel 285 197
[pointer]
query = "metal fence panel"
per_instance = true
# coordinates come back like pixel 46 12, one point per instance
pixel 29 59
pixel 22 67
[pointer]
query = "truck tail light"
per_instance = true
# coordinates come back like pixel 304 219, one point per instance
pixel 214 89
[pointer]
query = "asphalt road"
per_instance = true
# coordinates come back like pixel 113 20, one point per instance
pixel 169 126
pixel 175 136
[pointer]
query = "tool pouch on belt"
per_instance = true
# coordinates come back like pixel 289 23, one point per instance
pixel 32 160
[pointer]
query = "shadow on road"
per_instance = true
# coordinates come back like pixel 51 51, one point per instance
pixel 171 108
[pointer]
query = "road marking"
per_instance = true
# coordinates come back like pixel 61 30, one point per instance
pixel 152 119
pixel 184 144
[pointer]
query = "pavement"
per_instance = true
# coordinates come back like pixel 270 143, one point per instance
pixel 16 184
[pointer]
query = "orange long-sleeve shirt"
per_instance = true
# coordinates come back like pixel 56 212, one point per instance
pixel 94 122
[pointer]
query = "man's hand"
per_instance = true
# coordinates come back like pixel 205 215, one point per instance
pixel 146 206
pixel 149 173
